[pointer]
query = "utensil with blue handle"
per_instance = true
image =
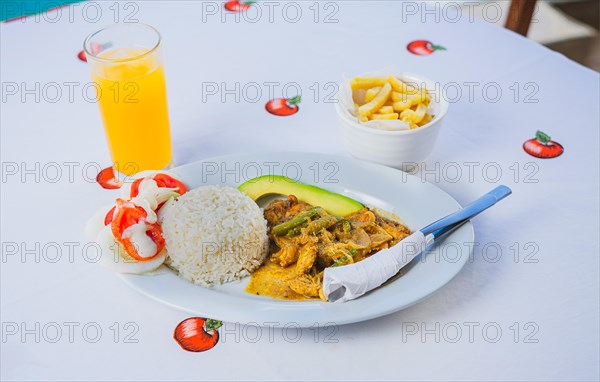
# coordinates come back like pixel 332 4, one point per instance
pixel 456 219
pixel 350 281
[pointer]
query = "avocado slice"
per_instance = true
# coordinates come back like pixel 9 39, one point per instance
pixel 333 203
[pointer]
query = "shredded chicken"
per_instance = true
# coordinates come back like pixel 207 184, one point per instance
pixel 312 240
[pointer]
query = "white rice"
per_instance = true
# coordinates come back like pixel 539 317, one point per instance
pixel 214 235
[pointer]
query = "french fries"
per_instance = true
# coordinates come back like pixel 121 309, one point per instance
pixel 389 99
pixel 376 103
pixel 385 117
pixel 401 105
pixel 402 87
pixel 386 110
pixel 426 119
pixel 366 83
pixel 414 116
pixel 371 93
pixel 421 96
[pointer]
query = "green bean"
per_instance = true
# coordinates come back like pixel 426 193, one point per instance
pixel 315 226
pixel 296 230
pixel 346 226
pixel 284 228
pixel 344 259
pixel 324 222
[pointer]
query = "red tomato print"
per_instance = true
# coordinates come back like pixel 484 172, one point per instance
pixel 423 47
pixel 283 107
pixel 236 6
pixel 542 146
pixel 107 179
pixel 197 334
pixel 96 48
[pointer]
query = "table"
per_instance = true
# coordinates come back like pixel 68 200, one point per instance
pixel 526 307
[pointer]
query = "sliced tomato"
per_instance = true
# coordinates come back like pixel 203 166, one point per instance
pixel 162 180
pixel 155 233
pixel 109 216
pixel 135 188
pixel 128 215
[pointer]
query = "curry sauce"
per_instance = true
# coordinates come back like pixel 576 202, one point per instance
pixel 272 280
pixel 304 240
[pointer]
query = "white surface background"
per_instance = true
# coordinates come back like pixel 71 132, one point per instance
pixel 558 295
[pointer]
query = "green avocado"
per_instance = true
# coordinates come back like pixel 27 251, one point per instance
pixel 333 203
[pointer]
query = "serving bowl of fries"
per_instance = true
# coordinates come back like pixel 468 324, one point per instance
pixel 390 119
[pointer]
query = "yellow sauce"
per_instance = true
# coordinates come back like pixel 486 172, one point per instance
pixel 271 280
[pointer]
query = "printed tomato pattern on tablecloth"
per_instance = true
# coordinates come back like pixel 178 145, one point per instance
pixel 96 48
pixel 283 107
pixel 423 47
pixel 237 6
pixel 197 334
pixel 81 55
pixel 107 179
pixel 542 146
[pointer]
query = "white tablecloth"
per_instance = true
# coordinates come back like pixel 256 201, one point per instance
pixel 530 311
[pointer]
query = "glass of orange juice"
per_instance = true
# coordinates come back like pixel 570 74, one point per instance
pixel 127 68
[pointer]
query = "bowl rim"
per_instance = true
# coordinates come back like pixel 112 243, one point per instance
pixel 444 106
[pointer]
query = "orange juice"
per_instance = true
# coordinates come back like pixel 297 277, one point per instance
pixel 133 102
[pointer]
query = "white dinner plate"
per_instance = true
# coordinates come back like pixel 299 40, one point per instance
pixel 418 203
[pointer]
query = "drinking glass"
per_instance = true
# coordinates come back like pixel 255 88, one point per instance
pixel 127 68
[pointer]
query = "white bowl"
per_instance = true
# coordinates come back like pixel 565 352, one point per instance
pixel 401 149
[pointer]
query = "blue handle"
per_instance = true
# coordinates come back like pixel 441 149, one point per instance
pixel 486 201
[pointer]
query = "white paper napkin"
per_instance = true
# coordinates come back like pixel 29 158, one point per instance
pixel 348 282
